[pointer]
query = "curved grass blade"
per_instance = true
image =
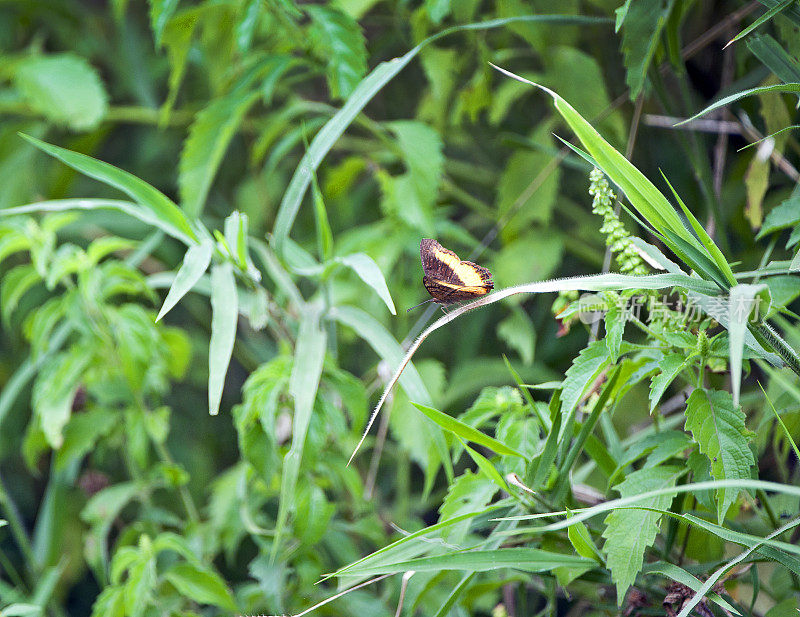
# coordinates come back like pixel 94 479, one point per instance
pixel 147 196
pixel 793 87
pixel 465 431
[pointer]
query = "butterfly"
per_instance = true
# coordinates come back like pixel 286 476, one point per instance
pixel 447 278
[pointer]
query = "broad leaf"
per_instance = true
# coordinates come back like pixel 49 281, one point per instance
pixel 717 426
pixel 629 533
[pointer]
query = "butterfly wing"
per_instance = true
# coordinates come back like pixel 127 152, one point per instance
pixel 447 278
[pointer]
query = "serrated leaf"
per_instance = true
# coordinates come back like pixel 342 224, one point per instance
pixel 717 426
pixel 421 146
pixel 82 432
pixel 64 88
pixel 615 320
pixel 54 391
pixel 669 366
pixel 369 272
pixel 337 37
pixel 209 136
pixel 195 263
pixel 469 493
pixel 629 533
pixel 15 283
pixel 201 585
pixel 586 367
pixel 224 315
pixel 642 23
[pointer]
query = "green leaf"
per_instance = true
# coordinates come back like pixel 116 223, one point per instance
pixel 162 208
pixel 437 10
pixel 629 533
pixel 15 283
pixel 524 559
pixel 224 315
pixel 201 585
pixel 82 432
pixel 586 367
pixel 309 355
pixel 160 13
pixel 195 263
pixel 486 466
pixel 208 140
pixel 756 182
pixel 177 38
pixel 465 431
pixel 387 348
pixel 670 367
pixel 467 494
pixel 518 333
pixel 786 214
pixel 774 56
pixel 717 426
pixel 336 37
pixel 421 146
pixel 362 94
pixel 64 88
pixel 746 304
pixel 789 87
pixel 764 18
pixel 54 392
pixel 642 24
pixel 369 272
pixel 581 540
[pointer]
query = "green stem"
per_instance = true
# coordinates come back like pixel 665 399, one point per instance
pixel 17 528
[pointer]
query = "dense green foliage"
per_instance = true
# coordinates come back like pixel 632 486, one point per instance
pixel 210 216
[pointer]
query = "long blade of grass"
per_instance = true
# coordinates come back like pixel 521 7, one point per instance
pixel 764 18
pixel 465 431
pixel 163 208
pixel 793 87
pixel 601 282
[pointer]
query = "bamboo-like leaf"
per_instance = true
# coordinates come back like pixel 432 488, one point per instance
pixel 369 272
pixel 195 263
pixel 309 355
pixel 224 315
pixel 465 431
pixel 173 220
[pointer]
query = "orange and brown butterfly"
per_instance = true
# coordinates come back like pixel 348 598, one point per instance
pixel 447 278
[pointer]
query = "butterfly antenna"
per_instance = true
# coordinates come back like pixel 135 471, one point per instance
pixel 420 304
